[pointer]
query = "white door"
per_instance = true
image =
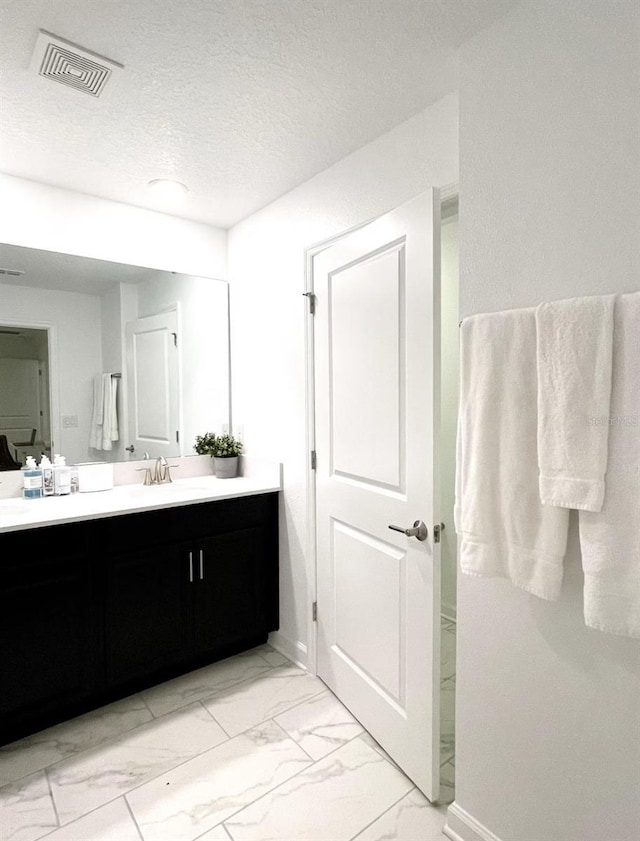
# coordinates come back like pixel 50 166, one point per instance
pixel 152 385
pixel 376 358
pixel 20 399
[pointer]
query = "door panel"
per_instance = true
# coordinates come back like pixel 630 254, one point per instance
pixel 366 319
pixel 228 595
pixel 46 623
pixel 376 342
pixel 370 620
pixel 153 387
pixel 149 619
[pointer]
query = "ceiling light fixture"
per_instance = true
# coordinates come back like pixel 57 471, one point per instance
pixel 168 190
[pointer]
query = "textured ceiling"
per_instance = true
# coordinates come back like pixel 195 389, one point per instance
pixel 240 99
pixel 66 272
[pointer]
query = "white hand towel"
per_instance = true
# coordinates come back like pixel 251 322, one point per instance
pixel 97 415
pixel 107 409
pixel 505 530
pixel 610 539
pixel 575 340
pixel 113 420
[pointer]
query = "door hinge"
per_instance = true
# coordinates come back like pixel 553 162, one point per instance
pixel 312 302
pixel 177 436
pixel 314 611
pixel 314 460
pixel 437 531
pixel 175 339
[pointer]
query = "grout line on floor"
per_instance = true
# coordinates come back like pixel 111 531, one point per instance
pixel 215 719
pixel 377 818
pixel 272 718
pixel 53 801
pixel 141 696
pixel 133 817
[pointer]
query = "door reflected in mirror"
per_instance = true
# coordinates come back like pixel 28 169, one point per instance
pixel 25 418
pixel 134 361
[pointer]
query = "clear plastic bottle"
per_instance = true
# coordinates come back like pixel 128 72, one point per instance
pixel 61 476
pixel 47 476
pixel 31 480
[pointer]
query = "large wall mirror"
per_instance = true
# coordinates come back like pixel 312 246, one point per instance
pixel 105 361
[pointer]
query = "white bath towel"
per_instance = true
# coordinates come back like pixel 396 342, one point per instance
pixel 97 414
pixel 610 539
pixel 574 340
pixel 505 530
pixel 113 418
pixel 104 422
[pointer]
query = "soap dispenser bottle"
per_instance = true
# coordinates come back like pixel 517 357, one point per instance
pixel 31 480
pixel 61 476
pixel 47 476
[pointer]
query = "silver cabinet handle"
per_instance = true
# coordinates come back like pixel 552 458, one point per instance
pixel 191 567
pixel 419 530
pixel 201 566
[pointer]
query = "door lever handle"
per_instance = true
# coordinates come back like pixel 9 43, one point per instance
pixel 419 530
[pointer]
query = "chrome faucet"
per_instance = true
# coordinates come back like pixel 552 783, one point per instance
pixel 161 471
pixel 159 474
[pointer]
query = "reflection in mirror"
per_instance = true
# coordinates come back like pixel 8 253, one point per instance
pixel 134 361
pixel 25 425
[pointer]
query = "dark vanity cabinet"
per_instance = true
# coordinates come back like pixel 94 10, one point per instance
pixel 50 642
pixel 92 611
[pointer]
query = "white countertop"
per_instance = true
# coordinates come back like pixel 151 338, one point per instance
pixel 18 514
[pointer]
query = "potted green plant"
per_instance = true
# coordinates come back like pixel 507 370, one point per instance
pixel 223 449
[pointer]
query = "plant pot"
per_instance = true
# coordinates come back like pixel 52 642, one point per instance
pixel 226 467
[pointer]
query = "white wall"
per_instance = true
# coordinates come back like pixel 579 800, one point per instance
pixel 40 216
pixel 450 364
pixel 548 712
pixel 203 345
pixel 78 349
pixel 266 264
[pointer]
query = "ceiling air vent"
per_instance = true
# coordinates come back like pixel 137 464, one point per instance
pixel 71 65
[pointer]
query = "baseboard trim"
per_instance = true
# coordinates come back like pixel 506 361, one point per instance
pixel 461 826
pixel 293 650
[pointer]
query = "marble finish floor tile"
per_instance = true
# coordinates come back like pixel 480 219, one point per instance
pixel 447 782
pixel 218 833
pixel 183 803
pixel 39 750
pixel 273 657
pixel 247 704
pixel 26 809
pixel 447 654
pixel 112 822
pixel 91 779
pixel 447 747
pixel 332 799
pixel 204 682
pixel 411 819
pixel 320 725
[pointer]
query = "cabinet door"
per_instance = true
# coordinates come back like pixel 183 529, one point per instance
pixel 47 638
pixel 230 596
pixel 149 620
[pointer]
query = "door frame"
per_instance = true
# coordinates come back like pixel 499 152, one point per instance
pixel 53 384
pixel 447 193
